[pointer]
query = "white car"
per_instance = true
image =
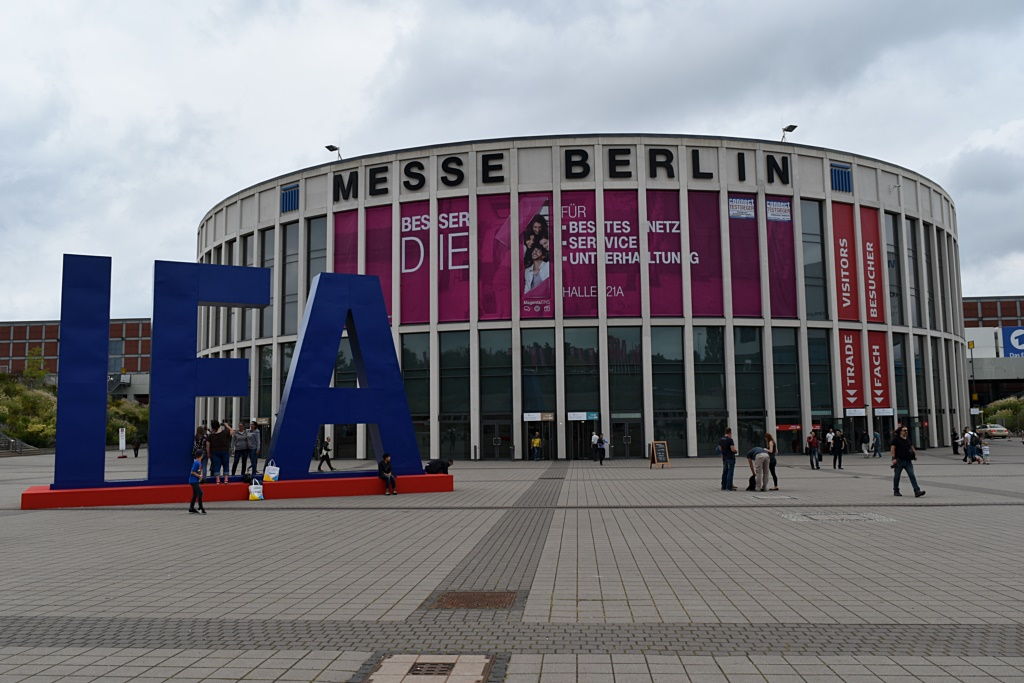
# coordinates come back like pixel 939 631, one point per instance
pixel 993 431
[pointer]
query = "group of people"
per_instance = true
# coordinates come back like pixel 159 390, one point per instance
pixel 974 447
pixel 217 443
pixel 762 459
pixel 836 444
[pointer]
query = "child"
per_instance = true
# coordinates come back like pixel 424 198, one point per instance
pixel 195 476
pixel 384 472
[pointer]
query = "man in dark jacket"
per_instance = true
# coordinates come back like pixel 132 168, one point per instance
pixel 903 455
pixel 384 472
pixel 439 466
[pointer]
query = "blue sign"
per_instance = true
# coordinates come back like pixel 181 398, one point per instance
pixel 336 302
pixel 1013 342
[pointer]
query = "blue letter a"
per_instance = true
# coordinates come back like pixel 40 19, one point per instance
pixel 338 302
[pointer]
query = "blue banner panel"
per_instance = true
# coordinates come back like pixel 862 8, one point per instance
pixel 82 372
pixel 338 302
pixel 1013 342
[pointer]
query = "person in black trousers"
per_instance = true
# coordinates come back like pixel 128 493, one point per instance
pixel 772 447
pixel 384 472
pixel 325 455
pixel 195 476
pixel 838 446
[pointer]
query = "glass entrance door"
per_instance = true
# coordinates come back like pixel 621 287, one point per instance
pixel 548 440
pixel 496 440
pixel 628 439
pixel 579 435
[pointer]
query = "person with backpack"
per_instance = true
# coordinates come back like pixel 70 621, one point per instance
pixel 971 443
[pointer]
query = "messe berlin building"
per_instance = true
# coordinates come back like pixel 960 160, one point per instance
pixel 650 287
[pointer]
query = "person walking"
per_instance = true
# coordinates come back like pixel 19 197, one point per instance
pixel 601 444
pixel 535 445
pixel 727 447
pixel 773 451
pixel 876 445
pixel 865 444
pixel 195 477
pixel 593 445
pixel 812 450
pixel 903 456
pixel 838 446
pixel 325 455
pixel 384 472
pixel 253 436
pixel 240 445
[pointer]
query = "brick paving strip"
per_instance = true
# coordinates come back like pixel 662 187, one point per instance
pixel 1005 640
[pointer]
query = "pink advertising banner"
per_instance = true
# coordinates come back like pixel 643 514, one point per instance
pixel 414 260
pixel 579 254
pixel 346 241
pixel 851 379
pixel 871 252
pixel 846 261
pixel 536 233
pixel 622 253
pixel 705 254
pixel 665 246
pixel 781 256
pixel 744 256
pixel 453 259
pixel 494 256
pixel 878 364
pixel 378 248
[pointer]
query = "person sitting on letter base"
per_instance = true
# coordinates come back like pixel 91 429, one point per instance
pixel 384 472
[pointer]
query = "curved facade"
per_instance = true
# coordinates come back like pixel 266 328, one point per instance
pixel 650 287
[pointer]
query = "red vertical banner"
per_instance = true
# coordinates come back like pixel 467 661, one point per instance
pixel 414 258
pixel 781 256
pixel 494 256
pixel 871 252
pixel 665 247
pixel 378 248
pixel 744 258
pixel 346 241
pixel 452 259
pixel 579 254
pixel 622 253
pixel 705 254
pixel 851 380
pixel 878 367
pixel 845 261
pixel 537 231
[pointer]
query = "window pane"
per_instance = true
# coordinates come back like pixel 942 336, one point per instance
pixel 290 280
pixel 813 236
pixel 538 367
pixel 582 390
pixel 267 261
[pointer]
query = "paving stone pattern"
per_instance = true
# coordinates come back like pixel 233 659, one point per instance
pixel 621 573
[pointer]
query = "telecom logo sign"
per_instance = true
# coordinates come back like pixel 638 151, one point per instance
pixel 849 348
pixel 1013 342
pixel 878 367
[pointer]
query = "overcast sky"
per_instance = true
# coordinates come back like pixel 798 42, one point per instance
pixel 122 123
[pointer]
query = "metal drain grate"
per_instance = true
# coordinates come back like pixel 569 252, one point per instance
pixel 431 668
pixel 835 517
pixel 475 600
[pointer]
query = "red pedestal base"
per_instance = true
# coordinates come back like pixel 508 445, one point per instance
pixel 43 497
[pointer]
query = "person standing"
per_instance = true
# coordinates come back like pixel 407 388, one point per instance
pixel 240 445
pixel 865 444
pixel 253 437
pixel 535 445
pixel 199 445
pixel 727 447
pixel 876 445
pixel 813 451
pixel 601 444
pixel 955 442
pixel 773 452
pixel 838 446
pixel 325 455
pixel 903 456
pixel 195 477
pixel 384 472
pixel 830 437
pixel 593 445
pixel 218 445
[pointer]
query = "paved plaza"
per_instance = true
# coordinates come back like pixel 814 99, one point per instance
pixel 615 573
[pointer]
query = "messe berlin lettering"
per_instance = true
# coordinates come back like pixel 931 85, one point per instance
pixel 337 303
pixel 577 164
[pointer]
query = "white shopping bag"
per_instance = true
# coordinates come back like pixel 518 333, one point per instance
pixel 271 471
pixel 255 491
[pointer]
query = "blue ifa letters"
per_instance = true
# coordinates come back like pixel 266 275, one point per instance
pixel 337 302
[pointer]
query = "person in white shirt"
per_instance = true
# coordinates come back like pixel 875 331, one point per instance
pixel 539 270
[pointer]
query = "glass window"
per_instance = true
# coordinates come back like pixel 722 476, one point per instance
pixel 266 381
pixel 709 386
pixel 246 258
pixel 290 280
pixel 915 273
pixel 496 372
pixel 943 294
pixel 582 387
pixel 929 270
pixel 416 374
pixel 625 370
pixel 243 414
pixel 895 271
pixel 819 363
pixel 669 388
pixel 267 261
pixel 538 367
pixel 750 411
pixel 899 365
pixel 286 364
pixel 115 355
pixel 813 236
pixel 786 371
pixel 454 413
pixel 316 248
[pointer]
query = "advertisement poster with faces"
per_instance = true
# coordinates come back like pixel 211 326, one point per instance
pixel 533 249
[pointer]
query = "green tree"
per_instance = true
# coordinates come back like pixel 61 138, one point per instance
pixel 27 414
pixel 134 417
pixel 35 370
